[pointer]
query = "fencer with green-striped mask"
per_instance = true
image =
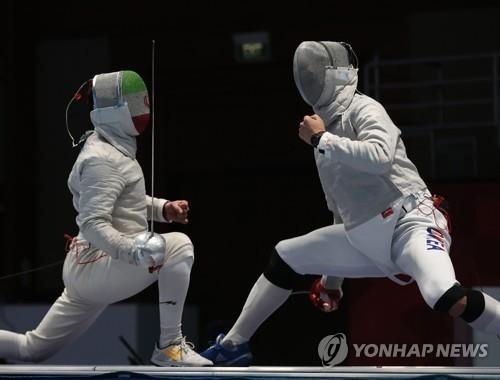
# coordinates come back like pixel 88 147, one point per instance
pixel 121 108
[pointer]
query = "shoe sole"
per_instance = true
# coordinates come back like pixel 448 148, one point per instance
pixel 177 364
pixel 240 361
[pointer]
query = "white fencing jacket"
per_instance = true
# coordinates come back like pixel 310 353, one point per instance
pixel 108 187
pixel 362 162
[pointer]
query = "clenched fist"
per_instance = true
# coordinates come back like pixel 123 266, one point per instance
pixel 176 211
pixel 310 126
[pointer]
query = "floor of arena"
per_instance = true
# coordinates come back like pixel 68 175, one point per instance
pixel 151 372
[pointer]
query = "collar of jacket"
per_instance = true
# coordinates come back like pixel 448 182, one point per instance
pixel 337 95
pixel 115 125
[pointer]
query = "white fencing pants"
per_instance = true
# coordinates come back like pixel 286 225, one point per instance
pixel 92 281
pixel 420 248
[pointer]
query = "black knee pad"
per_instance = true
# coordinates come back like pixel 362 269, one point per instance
pixel 280 273
pixel 449 298
pixel 475 305
pixel 475 302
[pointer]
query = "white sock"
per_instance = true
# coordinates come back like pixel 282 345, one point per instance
pixel 173 286
pixel 13 346
pixel 489 320
pixel 264 299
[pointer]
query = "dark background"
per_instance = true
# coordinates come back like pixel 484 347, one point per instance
pixel 227 141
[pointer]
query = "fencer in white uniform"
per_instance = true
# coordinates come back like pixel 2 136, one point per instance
pixel 386 220
pixel 114 256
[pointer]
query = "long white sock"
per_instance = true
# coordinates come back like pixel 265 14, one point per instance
pixel 173 286
pixel 13 346
pixel 489 320
pixel 264 299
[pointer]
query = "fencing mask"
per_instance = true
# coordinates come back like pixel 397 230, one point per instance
pixel 311 61
pixel 123 87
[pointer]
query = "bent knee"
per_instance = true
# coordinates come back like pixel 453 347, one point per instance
pixel 433 293
pixel 462 302
pixel 280 273
pixel 178 245
pixel 32 350
pixel 281 250
pixel 458 308
pixel 38 357
pixel 176 240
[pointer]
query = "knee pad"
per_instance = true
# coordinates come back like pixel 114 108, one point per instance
pixel 280 273
pixel 475 302
pixel 475 305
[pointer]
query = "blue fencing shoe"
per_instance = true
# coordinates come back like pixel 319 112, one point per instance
pixel 228 354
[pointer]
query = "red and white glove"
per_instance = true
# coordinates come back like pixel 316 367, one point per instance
pixel 326 300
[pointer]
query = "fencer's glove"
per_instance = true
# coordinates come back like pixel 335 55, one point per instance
pixel 326 300
pixel 149 251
